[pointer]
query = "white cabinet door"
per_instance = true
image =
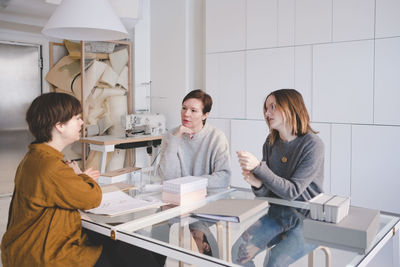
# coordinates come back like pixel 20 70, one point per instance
pixel 375 169
pixel 387 18
pixel 225 82
pixel 313 21
pixel 267 71
pixel 387 80
pixel 262 23
pixel 343 82
pixel 225 25
pixel 353 20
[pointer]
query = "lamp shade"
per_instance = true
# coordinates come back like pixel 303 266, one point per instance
pixel 87 20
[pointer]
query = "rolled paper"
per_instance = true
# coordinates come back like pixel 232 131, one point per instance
pixel 109 76
pixel 123 78
pixel 118 107
pixel 119 59
pixel 63 73
pixel 117 160
pixel 92 75
pixel 104 123
pixel 93 160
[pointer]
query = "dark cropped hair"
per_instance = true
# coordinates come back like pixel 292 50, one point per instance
pixel 291 104
pixel 203 97
pixel 49 109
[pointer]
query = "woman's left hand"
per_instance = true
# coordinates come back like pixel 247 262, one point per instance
pixel 251 179
pixel 247 161
pixel 94 174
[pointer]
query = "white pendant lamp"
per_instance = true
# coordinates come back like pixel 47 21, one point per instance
pixel 87 20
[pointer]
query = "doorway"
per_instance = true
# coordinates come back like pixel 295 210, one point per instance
pixel 20 83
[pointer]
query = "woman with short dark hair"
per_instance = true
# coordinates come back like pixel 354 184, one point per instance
pixel 44 224
pixel 196 148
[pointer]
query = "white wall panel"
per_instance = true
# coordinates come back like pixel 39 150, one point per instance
pixel 246 135
pixel 313 21
pixel 387 80
pixel 267 70
pixel 324 130
pixel 340 159
pixel 303 74
pixel 343 82
pixel 225 25
pixel 225 82
pixel 375 171
pixel 353 19
pixel 387 18
pixel 286 22
pixel 262 23
pixel 222 124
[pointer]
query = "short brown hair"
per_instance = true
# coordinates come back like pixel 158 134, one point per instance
pixel 49 109
pixel 203 97
pixel 291 103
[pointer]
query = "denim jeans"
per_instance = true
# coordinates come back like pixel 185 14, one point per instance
pixel 281 230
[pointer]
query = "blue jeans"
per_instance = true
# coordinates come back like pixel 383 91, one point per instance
pixel 281 230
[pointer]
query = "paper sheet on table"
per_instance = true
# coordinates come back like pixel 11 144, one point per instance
pixel 117 203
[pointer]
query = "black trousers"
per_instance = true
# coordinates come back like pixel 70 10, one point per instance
pixel 116 253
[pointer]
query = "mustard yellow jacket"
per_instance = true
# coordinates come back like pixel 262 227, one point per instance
pixel 44 227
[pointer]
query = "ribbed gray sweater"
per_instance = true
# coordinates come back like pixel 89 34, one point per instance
pixel 206 154
pixel 301 177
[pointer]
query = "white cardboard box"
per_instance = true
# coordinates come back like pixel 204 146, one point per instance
pixel 355 232
pixel 329 208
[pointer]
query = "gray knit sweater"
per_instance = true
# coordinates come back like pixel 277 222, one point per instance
pixel 206 154
pixel 301 177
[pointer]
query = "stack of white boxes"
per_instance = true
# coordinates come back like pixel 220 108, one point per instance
pixel 329 208
pixel 184 190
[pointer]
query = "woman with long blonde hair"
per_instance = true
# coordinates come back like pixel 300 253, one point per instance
pixel 292 166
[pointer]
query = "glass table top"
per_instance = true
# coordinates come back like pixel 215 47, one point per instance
pixel 273 234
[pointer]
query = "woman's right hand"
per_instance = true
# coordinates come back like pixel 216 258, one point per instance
pixel 184 130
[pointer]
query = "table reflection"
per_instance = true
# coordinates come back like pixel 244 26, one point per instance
pixel 280 232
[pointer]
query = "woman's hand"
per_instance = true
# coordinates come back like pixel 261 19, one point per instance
pixel 74 166
pixel 251 179
pixel 184 130
pixel 94 174
pixel 247 161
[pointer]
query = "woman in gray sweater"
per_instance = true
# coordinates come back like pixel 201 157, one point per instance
pixel 292 168
pixel 196 148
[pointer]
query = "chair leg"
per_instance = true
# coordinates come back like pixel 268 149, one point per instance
pixel 327 253
pixel 311 259
pixel 219 239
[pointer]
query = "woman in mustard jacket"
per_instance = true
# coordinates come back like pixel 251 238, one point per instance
pixel 44 225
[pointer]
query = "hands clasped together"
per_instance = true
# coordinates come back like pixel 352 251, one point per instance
pixel 249 162
pixel 94 174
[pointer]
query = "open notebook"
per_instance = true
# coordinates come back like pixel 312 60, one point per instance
pixel 117 202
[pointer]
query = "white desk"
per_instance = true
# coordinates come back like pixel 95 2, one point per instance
pixel 106 144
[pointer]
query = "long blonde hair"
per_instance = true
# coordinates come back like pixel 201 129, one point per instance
pixel 291 103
